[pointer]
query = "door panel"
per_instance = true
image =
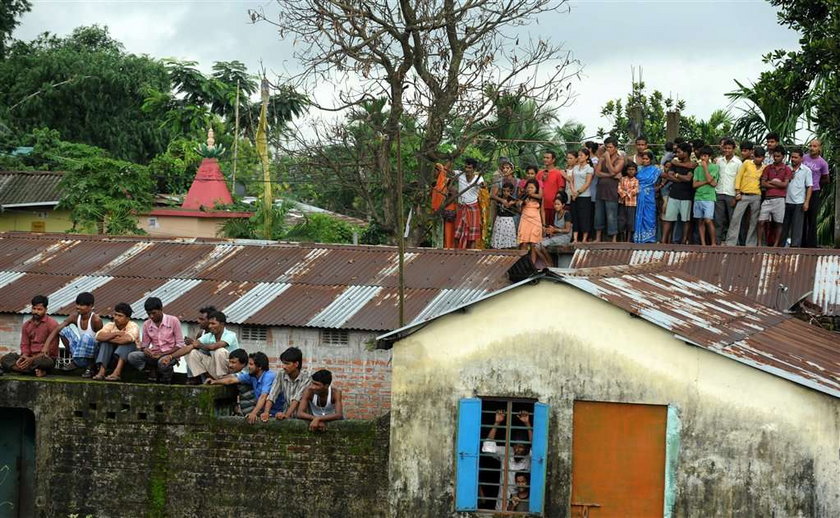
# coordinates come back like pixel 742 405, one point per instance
pixel 618 460
pixel 17 462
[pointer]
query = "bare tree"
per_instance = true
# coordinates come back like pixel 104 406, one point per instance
pixel 440 62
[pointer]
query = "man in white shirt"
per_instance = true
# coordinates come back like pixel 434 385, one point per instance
pixel 797 199
pixel 728 165
pixel 468 219
pixel 518 457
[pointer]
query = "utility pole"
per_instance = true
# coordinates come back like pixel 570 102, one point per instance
pixel 262 150
pixel 401 231
pixel 836 209
pixel 235 137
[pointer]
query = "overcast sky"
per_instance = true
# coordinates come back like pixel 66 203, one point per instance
pixel 689 49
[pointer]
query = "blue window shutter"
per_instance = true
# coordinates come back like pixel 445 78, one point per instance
pixel 539 452
pixel 466 458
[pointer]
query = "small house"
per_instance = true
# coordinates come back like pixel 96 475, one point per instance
pixel 636 391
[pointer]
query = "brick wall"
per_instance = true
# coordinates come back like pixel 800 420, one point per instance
pixel 10 325
pixel 364 375
pixel 147 450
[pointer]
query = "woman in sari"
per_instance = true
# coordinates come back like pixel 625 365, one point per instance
pixel 440 192
pixel 646 213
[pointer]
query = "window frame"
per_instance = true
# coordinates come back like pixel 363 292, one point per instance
pixel 246 332
pixel 470 442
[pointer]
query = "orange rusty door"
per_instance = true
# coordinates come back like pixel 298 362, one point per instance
pixel 618 460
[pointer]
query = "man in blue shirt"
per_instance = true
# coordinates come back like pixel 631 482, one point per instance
pixel 261 379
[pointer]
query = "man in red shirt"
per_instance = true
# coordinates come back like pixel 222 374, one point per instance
pixel 36 355
pixel 552 182
pixel 775 180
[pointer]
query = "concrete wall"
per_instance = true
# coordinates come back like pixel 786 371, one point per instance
pixel 752 444
pixel 364 374
pixel 21 219
pixel 181 226
pixel 114 450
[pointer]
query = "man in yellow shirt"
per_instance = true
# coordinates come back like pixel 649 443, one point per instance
pixel 747 196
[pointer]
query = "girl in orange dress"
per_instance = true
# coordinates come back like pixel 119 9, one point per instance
pixel 531 224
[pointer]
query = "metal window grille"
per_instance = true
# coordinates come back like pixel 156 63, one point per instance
pixel 254 334
pixel 498 490
pixel 335 337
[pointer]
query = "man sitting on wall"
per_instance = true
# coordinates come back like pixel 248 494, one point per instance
pixel 519 460
pixel 37 351
pixel 260 379
pixel 119 337
pixel 321 404
pixel 208 355
pixel 289 385
pixel 81 339
pixel 162 344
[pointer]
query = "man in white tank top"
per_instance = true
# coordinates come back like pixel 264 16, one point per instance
pixel 320 403
pixel 78 334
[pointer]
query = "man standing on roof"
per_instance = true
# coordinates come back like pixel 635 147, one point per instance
pixel 468 226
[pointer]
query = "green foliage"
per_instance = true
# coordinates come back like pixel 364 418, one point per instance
pixel 719 124
pixel 802 88
pixel 173 170
pixel 254 227
pixel 653 108
pixel 10 11
pixel 322 228
pixel 105 195
pixel 196 101
pixel 87 88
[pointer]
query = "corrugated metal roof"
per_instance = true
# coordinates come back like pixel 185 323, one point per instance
pixel 707 316
pixel 260 283
pixel 29 187
pixel 702 314
pixel 775 277
pixel 344 306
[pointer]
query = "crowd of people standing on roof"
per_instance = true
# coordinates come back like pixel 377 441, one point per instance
pixel 695 193
pixel 213 357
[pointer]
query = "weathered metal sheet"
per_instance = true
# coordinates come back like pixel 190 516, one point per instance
pixel 297 306
pixel 447 300
pixel 164 260
pixel 252 301
pixel 167 292
pixel 774 277
pixel 9 277
pixel 337 312
pixel 705 315
pixel 219 294
pixel 381 311
pixel 17 295
pixel 29 187
pixel 66 295
pixel 265 283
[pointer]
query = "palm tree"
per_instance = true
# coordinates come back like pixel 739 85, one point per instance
pixel 767 110
pixel 520 130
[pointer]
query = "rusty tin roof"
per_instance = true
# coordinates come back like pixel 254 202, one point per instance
pixel 775 277
pixel 253 282
pixel 701 313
